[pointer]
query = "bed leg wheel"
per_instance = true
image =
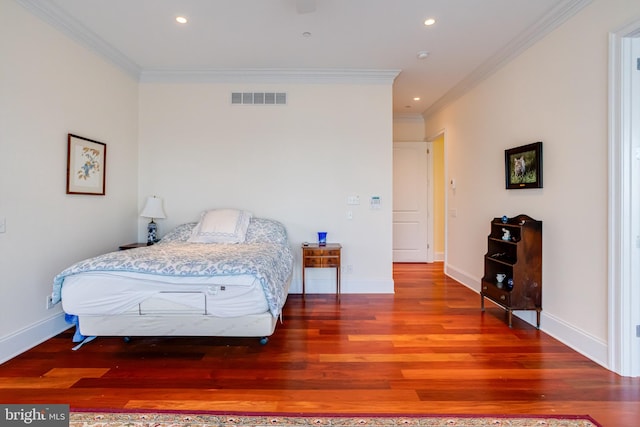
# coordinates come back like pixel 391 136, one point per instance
pixel 264 340
pixel 126 339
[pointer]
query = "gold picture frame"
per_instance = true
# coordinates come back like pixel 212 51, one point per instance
pixel 86 166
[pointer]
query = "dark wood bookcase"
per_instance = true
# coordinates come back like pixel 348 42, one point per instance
pixel 514 248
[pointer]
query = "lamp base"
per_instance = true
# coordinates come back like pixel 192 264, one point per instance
pixel 152 233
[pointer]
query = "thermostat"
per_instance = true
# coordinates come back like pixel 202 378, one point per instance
pixel 375 202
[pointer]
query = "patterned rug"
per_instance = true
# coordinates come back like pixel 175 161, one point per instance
pixel 202 419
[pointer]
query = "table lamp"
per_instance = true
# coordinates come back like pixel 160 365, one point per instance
pixel 153 209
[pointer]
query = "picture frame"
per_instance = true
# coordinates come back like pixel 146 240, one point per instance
pixel 523 166
pixel 86 166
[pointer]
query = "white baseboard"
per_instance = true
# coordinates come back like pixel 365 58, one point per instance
pixel 29 337
pixel 464 278
pixel 585 344
pixel 358 286
pixel 580 341
pixel 371 286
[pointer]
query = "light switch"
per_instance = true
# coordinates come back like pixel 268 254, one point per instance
pixel 353 200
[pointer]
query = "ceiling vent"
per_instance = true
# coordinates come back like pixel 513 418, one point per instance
pixel 259 98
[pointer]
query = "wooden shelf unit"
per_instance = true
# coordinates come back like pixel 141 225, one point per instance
pixel 520 259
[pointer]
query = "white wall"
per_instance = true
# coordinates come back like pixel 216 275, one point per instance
pixel 295 163
pixel 556 92
pixel 49 87
pixel 408 128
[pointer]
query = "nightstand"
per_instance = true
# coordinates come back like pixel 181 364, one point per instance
pixel 132 246
pixel 325 256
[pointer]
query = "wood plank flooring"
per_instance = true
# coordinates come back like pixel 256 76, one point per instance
pixel 426 349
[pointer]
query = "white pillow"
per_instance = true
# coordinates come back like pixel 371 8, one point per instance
pixel 221 226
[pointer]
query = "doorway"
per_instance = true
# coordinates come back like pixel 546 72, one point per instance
pixel 412 200
pixel 419 173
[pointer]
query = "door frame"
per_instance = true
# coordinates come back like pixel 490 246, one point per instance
pixel 430 140
pixel 624 209
pixel 430 216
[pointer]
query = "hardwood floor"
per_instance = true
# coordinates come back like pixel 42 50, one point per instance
pixel 426 349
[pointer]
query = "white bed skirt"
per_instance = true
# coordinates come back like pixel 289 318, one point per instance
pixel 253 325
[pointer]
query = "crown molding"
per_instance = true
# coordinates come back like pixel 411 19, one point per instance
pixel 52 14
pixel 269 75
pixel 552 19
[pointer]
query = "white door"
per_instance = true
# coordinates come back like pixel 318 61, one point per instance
pixel 410 202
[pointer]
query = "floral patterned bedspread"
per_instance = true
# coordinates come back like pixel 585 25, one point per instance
pixel 271 263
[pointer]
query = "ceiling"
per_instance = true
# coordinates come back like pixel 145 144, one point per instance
pixel 470 39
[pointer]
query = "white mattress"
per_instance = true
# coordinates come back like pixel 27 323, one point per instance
pixel 110 293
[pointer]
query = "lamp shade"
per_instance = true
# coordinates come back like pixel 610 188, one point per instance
pixel 153 208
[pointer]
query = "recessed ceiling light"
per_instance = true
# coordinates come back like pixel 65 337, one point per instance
pixel 429 21
pixel 306 34
pixel 417 98
pixel 422 54
pixel 181 19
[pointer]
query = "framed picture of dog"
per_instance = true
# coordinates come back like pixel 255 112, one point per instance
pixel 523 166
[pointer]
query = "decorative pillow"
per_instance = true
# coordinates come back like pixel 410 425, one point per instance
pixel 179 234
pixel 221 226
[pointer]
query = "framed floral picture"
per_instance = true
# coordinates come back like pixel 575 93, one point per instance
pixel 86 165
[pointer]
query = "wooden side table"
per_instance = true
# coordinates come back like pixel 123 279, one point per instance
pixel 132 246
pixel 325 256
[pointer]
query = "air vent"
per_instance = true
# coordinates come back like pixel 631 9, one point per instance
pixel 259 98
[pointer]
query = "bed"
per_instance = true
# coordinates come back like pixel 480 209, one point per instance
pixel 225 275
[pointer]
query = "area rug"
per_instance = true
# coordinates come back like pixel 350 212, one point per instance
pixel 213 419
